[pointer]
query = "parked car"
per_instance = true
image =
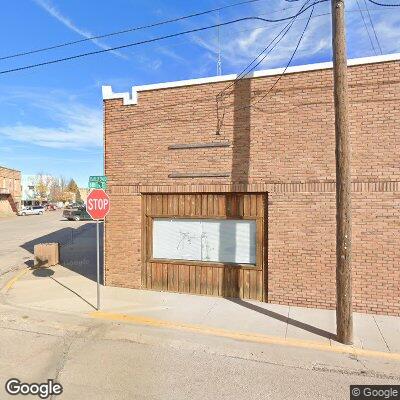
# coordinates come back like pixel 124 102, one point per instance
pixel 31 210
pixel 76 214
pixel 51 207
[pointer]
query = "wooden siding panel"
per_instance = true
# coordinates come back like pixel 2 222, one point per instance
pixel 202 278
pixel 165 277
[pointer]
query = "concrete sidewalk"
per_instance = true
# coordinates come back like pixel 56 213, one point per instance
pixel 71 289
pixel 60 289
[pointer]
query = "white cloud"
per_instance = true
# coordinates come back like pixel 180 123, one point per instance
pixel 248 41
pixel 242 42
pixel 69 124
pixel 171 54
pixel 54 12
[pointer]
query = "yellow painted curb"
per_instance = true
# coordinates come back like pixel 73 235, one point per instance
pixel 245 336
pixel 14 280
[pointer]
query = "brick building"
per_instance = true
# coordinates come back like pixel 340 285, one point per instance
pixel 10 191
pixel 234 195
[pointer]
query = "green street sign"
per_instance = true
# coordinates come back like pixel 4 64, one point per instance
pixel 98 182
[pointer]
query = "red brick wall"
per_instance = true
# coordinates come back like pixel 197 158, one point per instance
pixel 10 190
pixel 301 233
pixel 122 241
pixel 301 249
pixel 284 145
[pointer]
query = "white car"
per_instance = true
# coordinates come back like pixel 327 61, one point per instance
pixel 31 210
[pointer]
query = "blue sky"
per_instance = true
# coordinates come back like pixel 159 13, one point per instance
pixel 51 117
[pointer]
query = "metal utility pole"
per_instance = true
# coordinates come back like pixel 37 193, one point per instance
pixel 98 264
pixel 219 62
pixel 344 316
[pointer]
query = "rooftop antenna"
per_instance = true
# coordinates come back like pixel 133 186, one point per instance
pixel 219 63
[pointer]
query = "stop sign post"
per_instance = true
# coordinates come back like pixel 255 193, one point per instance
pixel 98 206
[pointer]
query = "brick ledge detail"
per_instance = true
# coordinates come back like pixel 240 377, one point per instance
pixel 273 187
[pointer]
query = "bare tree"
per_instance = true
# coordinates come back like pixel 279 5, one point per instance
pixel 42 183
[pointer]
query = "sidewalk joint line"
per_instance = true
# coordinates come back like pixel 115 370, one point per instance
pixel 287 321
pixel 379 329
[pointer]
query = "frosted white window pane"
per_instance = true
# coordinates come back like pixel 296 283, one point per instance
pixel 177 239
pixel 232 241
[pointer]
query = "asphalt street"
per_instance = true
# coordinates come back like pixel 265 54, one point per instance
pixel 98 360
pixel 101 359
pixel 19 234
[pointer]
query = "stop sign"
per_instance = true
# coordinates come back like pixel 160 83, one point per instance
pixel 98 204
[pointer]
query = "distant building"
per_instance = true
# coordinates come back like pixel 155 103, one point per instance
pixel 28 189
pixel 10 191
pixel 29 195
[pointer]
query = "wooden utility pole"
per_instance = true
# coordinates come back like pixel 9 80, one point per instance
pixel 344 316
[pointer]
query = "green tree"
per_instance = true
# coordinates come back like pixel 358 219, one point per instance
pixel 73 187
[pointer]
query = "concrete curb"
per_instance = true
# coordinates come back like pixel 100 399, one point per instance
pixel 244 336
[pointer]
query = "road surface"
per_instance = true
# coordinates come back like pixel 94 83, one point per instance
pixel 19 234
pixel 103 360
pixel 100 359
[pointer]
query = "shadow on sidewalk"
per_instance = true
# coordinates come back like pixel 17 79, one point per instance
pixel 48 273
pixel 283 318
pixel 77 249
pixel 63 236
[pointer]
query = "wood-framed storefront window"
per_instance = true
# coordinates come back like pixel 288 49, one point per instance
pixel 189 270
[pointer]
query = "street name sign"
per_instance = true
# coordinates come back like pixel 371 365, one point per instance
pixel 98 182
pixel 98 204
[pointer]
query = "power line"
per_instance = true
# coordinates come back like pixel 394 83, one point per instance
pixel 366 28
pixel 219 62
pixel 289 62
pixel 282 34
pixel 133 29
pixel 220 120
pixel 373 27
pixel 383 4
pixel 270 47
pixel 286 29
pixel 245 71
pixel 154 40
pixel 186 42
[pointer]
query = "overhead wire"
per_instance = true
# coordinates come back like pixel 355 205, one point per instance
pixel 133 29
pixel 219 99
pixel 286 67
pixel 258 59
pixel 207 101
pixel 290 60
pixel 129 30
pixel 186 41
pixel 366 28
pixel 153 40
pixel 373 26
pixel 383 4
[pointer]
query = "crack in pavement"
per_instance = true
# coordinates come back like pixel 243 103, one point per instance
pixel 67 343
pixel 96 332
